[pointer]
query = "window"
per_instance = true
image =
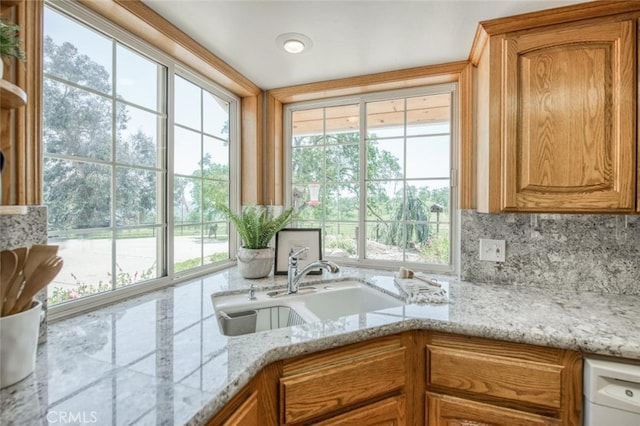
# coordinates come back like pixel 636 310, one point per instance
pixel 123 127
pixel 375 174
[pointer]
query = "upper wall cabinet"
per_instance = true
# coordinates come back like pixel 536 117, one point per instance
pixel 556 118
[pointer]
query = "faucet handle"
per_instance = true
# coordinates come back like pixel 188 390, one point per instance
pixel 294 255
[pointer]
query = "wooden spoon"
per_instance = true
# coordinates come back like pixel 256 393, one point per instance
pixel 8 266
pixel 38 253
pixel 12 294
pixel 41 276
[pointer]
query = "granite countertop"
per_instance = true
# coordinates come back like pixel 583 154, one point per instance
pixel 161 359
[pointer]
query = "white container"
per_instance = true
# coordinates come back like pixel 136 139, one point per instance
pixel 18 344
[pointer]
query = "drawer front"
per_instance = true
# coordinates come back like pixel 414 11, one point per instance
pixel 503 377
pixel 327 389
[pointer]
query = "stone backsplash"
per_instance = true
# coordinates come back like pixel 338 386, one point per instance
pixel 555 251
pixel 25 230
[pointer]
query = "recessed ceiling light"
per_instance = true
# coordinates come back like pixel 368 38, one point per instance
pixel 294 42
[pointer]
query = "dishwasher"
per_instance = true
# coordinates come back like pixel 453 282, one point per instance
pixel 611 393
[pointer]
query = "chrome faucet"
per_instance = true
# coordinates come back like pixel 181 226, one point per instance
pixel 294 276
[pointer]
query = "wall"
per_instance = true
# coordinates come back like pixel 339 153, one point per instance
pixel 552 251
pixel 18 230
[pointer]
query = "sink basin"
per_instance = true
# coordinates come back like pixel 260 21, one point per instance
pixel 274 309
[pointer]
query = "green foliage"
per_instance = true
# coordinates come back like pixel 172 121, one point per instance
pixel 10 43
pixel 82 289
pixel 416 233
pixel 255 225
pixel 437 249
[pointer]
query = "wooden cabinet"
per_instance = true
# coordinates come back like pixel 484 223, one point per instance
pixel 329 384
pixel 489 380
pixel 556 116
pixel 415 378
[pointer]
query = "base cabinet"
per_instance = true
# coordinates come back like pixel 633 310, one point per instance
pixel 415 378
pixel 444 410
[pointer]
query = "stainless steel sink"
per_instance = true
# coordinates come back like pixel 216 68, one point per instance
pixel 274 309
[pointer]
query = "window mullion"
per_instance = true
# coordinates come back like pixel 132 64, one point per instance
pixel 362 224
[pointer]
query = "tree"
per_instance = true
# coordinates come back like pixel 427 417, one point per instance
pixel 78 124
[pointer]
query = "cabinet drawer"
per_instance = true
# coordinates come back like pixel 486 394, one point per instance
pixel 504 377
pixel 449 410
pixel 326 389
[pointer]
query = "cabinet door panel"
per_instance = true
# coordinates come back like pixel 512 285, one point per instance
pixel 246 414
pixel 507 378
pixel 443 410
pixel 388 412
pixel 569 119
pixel 336 386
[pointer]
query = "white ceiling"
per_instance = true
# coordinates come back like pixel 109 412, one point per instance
pixel 350 38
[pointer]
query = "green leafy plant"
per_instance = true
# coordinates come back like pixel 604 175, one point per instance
pixel 256 226
pixel 10 43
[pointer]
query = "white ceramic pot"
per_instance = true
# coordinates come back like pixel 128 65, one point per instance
pixel 18 344
pixel 255 263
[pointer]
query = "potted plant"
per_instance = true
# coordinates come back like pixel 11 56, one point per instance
pixel 10 43
pixel 256 227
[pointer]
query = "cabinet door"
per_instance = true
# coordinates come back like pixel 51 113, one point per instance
pixel 388 412
pixel 246 414
pixel 568 116
pixel 445 410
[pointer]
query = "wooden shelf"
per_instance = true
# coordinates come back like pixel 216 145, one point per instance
pixel 13 210
pixel 11 96
pixel 6 4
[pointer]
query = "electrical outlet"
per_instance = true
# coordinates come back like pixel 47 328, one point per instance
pixel 492 250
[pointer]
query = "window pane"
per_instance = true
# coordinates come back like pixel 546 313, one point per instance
pixel 307 125
pixel 136 255
pixel 215 158
pixel 424 111
pixel 187 156
pixel 187 247
pixel 188 104
pixel 87 266
pixel 66 42
pixel 385 200
pixel 385 241
pixel 341 119
pixel 187 200
pixel 343 161
pixel 136 192
pixel 77 194
pixel 137 139
pixel 216 243
pixel 213 192
pixel 137 78
pixel 341 239
pixel 308 164
pixel 216 116
pixel 428 157
pixel 385 159
pixel 76 122
pixel 341 202
pixel 386 118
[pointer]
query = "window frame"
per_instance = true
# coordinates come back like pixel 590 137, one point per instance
pixel 362 99
pixel 165 221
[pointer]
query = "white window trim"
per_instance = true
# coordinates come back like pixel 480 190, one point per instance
pixel 452 88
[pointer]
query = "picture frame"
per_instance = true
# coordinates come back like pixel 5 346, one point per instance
pixel 293 239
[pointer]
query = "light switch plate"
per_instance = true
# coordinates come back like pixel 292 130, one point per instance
pixel 492 250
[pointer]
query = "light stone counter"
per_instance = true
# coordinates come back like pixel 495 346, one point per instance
pixel 161 359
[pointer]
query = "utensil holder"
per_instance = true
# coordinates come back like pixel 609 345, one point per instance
pixel 19 344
